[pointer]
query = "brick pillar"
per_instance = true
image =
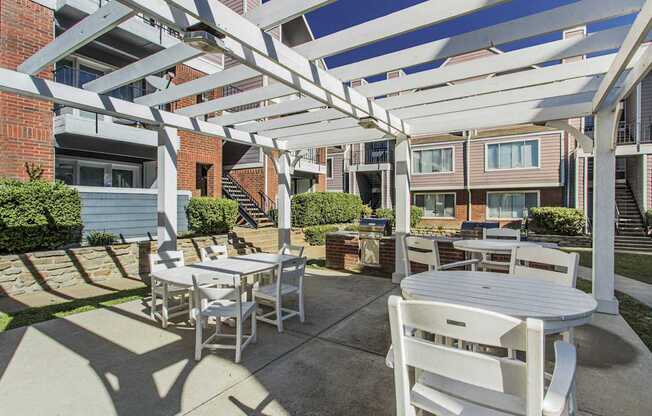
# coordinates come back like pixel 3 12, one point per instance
pixel 25 124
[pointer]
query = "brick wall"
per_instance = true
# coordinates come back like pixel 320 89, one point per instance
pixel 197 148
pixel 25 124
pixel 252 180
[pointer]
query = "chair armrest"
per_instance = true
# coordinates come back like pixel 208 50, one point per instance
pixel 459 264
pixel 563 378
pixel 389 359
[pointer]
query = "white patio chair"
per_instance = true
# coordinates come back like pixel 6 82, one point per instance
pixel 426 251
pixel 213 253
pixel 289 280
pixel 163 261
pixel 291 250
pixel 450 381
pixel 495 234
pixel 564 265
pixel 222 303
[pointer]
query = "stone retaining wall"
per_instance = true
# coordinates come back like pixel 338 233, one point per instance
pixel 48 270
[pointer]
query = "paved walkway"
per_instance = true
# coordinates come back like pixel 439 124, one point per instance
pixel 117 362
pixel 638 290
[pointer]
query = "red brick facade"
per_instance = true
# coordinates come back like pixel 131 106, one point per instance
pixel 252 180
pixel 25 124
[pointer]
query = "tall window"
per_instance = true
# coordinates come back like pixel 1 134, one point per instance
pixel 436 204
pixel 513 155
pixel 329 168
pixel 510 205
pixel 432 160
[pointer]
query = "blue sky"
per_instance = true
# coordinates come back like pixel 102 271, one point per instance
pixel 347 13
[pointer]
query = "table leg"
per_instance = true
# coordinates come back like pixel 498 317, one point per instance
pixel 164 307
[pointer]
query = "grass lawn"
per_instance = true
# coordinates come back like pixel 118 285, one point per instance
pixel 634 266
pixel 45 313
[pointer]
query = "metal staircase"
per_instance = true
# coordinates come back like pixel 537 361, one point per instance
pixel 251 214
pixel 630 226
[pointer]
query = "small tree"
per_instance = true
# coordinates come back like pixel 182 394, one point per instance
pixel 34 171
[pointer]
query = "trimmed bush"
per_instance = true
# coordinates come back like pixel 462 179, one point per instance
pixel 648 217
pixel 556 221
pixel 366 211
pixel 208 215
pixel 38 215
pixel 416 213
pixel 319 208
pixel 316 234
pixel 101 238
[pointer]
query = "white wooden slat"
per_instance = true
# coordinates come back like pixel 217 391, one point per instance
pixel 635 37
pixel 548 21
pixel 641 67
pixel 509 61
pixel 341 123
pixel 140 69
pixel 230 101
pixel 406 20
pixel 248 36
pixel 33 87
pixel 288 107
pixel 277 12
pixel 85 31
pixel 199 85
pixel 334 138
pixel 293 120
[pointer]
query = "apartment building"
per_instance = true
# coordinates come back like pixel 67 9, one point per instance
pixel 113 161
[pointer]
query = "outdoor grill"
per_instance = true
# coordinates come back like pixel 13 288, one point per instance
pixel 370 231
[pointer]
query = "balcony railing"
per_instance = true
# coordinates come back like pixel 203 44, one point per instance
pixel 371 157
pixel 626 133
pixel 233 90
pixel 311 155
pixel 162 29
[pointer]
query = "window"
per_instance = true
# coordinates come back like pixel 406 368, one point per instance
pixel 513 155
pixel 122 178
pixel 95 172
pixel 511 205
pixel 329 168
pixel 436 204
pixel 91 175
pixel 432 160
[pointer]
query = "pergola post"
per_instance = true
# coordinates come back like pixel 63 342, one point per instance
pixel 284 170
pixel 402 205
pixel 604 207
pixel 168 147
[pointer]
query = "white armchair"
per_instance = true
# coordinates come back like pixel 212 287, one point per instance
pixel 426 251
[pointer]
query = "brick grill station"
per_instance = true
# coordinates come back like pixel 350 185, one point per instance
pixel 342 253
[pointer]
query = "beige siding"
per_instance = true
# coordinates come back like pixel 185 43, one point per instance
pixel 547 173
pixel 336 183
pixel 442 180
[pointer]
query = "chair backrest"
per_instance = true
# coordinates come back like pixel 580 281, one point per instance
pixel 202 295
pixel 502 233
pixel 545 264
pixel 291 272
pixel 290 249
pixel 476 371
pixel 165 260
pixel 421 250
pixel 213 253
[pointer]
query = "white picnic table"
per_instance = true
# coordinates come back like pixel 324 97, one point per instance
pixel 559 307
pixel 495 246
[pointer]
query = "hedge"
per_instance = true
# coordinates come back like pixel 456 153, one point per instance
pixel 208 215
pixel 319 208
pixel 556 221
pixel 648 217
pixel 316 235
pixel 416 213
pixel 38 215
pixel 101 238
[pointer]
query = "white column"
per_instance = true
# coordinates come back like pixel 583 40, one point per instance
pixel 168 146
pixel 283 199
pixel 604 206
pixel 401 204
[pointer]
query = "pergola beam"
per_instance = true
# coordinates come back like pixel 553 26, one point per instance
pixel 633 40
pixel 84 32
pixel 277 12
pixel 292 120
pixel 280 109
pixel 334 138
pixel 33 87
pixel 641 67
pixel 549 21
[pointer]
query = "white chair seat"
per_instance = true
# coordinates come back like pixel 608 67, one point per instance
pixel 444 396
pixel 172 290
pixel 227 309
pixel 269 291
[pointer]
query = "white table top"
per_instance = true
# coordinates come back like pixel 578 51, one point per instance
pixel 495 245
pixel 520 297
pixel 222 269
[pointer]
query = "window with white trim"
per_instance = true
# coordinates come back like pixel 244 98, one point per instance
pixel 513 155
pixel 432 160
pixel 510 205
pixel 436 205
pixel 92 172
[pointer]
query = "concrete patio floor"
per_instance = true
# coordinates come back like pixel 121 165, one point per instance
pixel 118 362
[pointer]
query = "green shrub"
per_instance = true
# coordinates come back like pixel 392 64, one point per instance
pixel 318 208
pixel 366 211
pixel 316 234
pixel 101 238
pixel 352 227
pixel 416 213
pixel 648 217
pixel 38 215
pixel 556 221
pixel 208 215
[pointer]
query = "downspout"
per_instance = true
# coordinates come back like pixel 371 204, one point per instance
pixel 467 174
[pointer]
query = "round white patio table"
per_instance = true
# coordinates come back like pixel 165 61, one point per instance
pixel 495 246
pixel 559 307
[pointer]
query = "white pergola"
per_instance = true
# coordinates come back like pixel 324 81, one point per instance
pixel 327 111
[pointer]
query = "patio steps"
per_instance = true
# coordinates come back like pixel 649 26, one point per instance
pixel 246 240
pixel 633 243
pixel 630 222
pixel 250 213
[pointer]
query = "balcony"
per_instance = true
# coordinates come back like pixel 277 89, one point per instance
pixel 627 139
pixel 371 159
pixel 310 162
pixel 233 90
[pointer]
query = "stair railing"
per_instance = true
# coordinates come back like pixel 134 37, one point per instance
pixel 250 219
pixel 617 220
pixel 269 206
